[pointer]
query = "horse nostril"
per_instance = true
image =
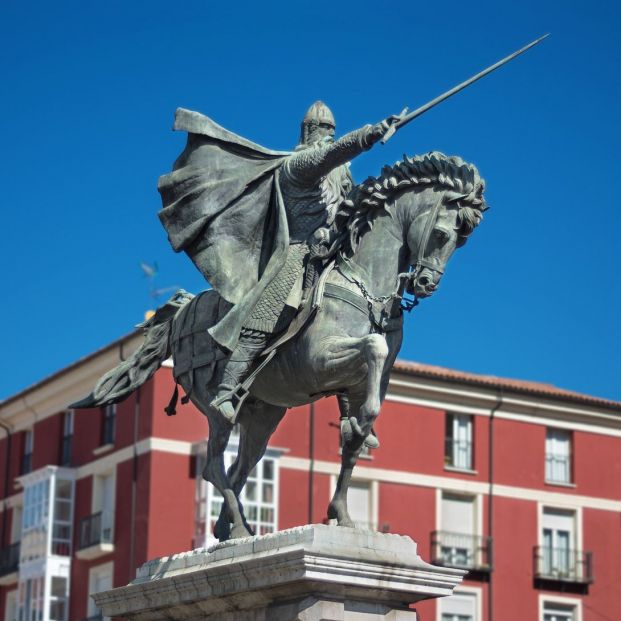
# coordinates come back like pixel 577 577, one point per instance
pixel 423 280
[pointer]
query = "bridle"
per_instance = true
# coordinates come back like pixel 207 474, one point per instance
pixel 406 281
pixel 421 262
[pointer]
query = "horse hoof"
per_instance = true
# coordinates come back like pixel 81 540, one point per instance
pixel 333 513
pixel 222 530
pixel 371 441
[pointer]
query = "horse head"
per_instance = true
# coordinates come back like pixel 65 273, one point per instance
pixel 435 201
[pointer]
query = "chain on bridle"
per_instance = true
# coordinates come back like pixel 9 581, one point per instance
pixel 406 281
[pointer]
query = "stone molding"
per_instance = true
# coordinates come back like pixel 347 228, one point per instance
pixel 306 568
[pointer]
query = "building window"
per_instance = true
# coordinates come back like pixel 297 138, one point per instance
pixel 10 610
pixel 458 445
pixel 16 524
pixel 553 611
pixel 99 579
pixel 558 456
pixel 259 497
pixel 47 515
pixel 557 537
pixel 459 607
pixel 58 598
pixel 31 599
pixel 109 424
pixel 63 517
pixel 359 505
pixel 459 542
pixel 26 465
pixel 65 447
pixel 98 528
pixel 558 557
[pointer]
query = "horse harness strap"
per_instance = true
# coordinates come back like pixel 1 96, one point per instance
pixel 381 321
pixel 422 247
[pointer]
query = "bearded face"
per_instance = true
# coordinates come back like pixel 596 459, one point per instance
pixel 319 131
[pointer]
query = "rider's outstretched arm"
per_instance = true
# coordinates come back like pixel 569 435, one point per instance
pixel 308 166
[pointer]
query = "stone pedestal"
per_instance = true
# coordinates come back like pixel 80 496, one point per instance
pixel 311 573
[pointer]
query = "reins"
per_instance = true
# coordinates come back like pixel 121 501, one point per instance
pixel 406 281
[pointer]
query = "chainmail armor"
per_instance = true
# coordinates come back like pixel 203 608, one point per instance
pixel 313 182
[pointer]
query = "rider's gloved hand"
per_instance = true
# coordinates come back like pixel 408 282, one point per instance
pixel 319 242
pixel 379 130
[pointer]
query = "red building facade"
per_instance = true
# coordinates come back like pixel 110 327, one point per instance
pixel 516 482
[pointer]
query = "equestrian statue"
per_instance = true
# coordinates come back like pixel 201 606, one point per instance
pixel 310 276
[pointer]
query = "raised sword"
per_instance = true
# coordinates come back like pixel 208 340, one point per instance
pixel 404 120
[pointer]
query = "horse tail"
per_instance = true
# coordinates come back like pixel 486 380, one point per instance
pixel 118 383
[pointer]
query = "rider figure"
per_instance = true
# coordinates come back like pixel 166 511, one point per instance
pixel 314 180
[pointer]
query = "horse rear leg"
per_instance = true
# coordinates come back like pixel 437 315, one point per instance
pixel 215 473
pixel 258 421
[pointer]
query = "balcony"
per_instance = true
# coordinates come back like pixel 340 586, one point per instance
pixel 9 564
pixel 562 565
pixel 462 551
pixel 95 536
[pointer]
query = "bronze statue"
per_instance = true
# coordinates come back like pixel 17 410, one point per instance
pixel 310 274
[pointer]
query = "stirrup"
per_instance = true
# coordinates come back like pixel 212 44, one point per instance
pixel 236 396
pixel 240 391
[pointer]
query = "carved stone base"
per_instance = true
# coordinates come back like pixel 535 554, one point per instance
pixel 311 573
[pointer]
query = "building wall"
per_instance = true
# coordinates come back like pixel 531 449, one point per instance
pixel 153 458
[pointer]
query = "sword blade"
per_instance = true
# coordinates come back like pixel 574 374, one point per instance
pixel 434 102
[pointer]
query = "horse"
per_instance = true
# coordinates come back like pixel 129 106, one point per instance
pixel 398 232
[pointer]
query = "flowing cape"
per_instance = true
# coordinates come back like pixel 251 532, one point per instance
pixel 222 206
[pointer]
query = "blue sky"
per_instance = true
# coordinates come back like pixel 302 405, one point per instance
pixel 89 93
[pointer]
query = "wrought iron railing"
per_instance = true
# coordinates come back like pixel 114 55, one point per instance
pixel 9 559
pixel 558 468
pixel 461 550
pixel 95 529
pixel 563 564
pixel 458 453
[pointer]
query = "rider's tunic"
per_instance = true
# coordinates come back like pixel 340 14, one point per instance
pixel 313 181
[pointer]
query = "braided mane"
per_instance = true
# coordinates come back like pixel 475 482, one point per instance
pixel 462 182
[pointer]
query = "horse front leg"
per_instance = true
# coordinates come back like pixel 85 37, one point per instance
pixel 350 450
pixel 364 409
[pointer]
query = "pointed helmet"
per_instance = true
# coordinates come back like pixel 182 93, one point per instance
pixel 317 114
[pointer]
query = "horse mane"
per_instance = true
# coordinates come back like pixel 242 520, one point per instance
pixel 462 182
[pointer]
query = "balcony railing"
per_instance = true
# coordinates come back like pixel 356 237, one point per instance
pixel 563 564
pixel 460 550
pixel 558 468
pixel 458 453
pixel 9 559
pixel 95 529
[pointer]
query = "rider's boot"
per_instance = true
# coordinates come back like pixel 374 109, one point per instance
pixel 248 349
